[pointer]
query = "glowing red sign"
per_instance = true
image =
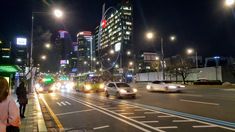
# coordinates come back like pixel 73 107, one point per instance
pixel 104 23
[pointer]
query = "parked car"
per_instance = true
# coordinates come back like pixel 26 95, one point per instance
pixel 166 86
pixel 207 82
pixel 120 89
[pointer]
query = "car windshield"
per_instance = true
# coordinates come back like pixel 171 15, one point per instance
pixel 167 82
pixel 122 85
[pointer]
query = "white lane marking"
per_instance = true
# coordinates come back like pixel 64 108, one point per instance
pixel 101 127
pixel 151 112
pixel 74 112
pixel 142 106
pixel 199 102
pixel 119 110
pixel 139 110
pixel 204 126
pixel 167 127
pixel 228 89
pixel 126 113
pixel 120 119
pixel 182 121
pixel 137 117
pixel 149 121
pixel 165 116
pixel 192 95
pixel 58 103
pixel 67 103
pixel 63 103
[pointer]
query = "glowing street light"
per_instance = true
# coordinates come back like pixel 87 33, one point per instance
pixel 229 3
pixel 43 57
pixel 157 58
pixel 191 51
pixel 131 63
pixel 128 53
pixel 111 51
pixel 58 13
pixel 172 38
pixel 48 46
pixel 150 35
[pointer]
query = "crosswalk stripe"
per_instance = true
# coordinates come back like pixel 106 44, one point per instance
pixel 67 103
pixel 63 103
pixel 58 103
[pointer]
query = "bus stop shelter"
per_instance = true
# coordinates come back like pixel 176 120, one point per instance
pixel 8 72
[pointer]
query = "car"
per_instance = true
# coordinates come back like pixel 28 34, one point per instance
pixel 120 89
pixel 166 86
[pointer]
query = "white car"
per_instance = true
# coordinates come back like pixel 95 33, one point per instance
pixel 166 86
pixel 120 89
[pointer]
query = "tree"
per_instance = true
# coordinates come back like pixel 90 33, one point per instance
pixel 179 66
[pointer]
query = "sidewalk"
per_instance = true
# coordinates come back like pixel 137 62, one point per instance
pixel 33 121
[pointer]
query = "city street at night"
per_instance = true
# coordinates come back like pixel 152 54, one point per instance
pixel 117 66
pixel 192 109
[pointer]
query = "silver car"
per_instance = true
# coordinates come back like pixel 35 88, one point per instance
pixel 120 89
pixel 166 86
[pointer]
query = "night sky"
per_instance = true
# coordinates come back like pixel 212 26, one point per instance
pixel 202 24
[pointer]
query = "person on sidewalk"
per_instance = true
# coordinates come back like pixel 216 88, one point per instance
pixel 9 112
pixel 22 98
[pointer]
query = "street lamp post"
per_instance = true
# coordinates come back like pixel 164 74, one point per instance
pixel 191 51
pixel 58 14
pixel 150 36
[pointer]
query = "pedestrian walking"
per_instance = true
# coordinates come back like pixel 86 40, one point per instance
pixel 22 98
pixel 9 112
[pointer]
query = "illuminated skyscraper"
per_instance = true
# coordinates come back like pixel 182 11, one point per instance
pixel 114 36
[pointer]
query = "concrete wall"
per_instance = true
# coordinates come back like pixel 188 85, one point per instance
pixel 209 73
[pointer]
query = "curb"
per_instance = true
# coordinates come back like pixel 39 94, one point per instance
pixel 40 122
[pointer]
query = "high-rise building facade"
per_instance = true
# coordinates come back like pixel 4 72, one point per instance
pixel 113 38
pixel 85 51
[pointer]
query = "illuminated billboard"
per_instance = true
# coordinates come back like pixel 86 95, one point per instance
pixel 21 41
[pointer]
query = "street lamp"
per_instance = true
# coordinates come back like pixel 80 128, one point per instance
pixel 43 57
pixel 191 51
pixel 229 3
pixel 48 46
pixel 58 14
pixel 150 36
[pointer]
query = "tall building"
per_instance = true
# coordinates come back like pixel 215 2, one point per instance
pixel 113 38
pixel 85 51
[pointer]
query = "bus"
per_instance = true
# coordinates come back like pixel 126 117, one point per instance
pixel 89 82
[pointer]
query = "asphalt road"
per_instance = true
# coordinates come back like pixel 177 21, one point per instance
pixel 194 110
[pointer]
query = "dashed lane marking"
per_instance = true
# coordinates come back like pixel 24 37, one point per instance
pixel 137 117
pixel 165 116
pixel 199 102
pixel 167 127
pixel 149 121
pixel 204 126
pixel 127 113
pixel 101 127
pixel 182 121
pixel 67 113
pixel 151 112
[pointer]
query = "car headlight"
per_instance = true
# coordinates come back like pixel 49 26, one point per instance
pixel 87 87
pixel 122 91
pixel 69 85
pixel 37 86
pixel 135 90
pixel 101 86
pixel 148 87
pixel 182 86
pixel 40 89
pixel 172 87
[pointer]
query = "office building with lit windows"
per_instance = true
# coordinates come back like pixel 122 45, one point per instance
pixel 85 51
pixel 115 35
